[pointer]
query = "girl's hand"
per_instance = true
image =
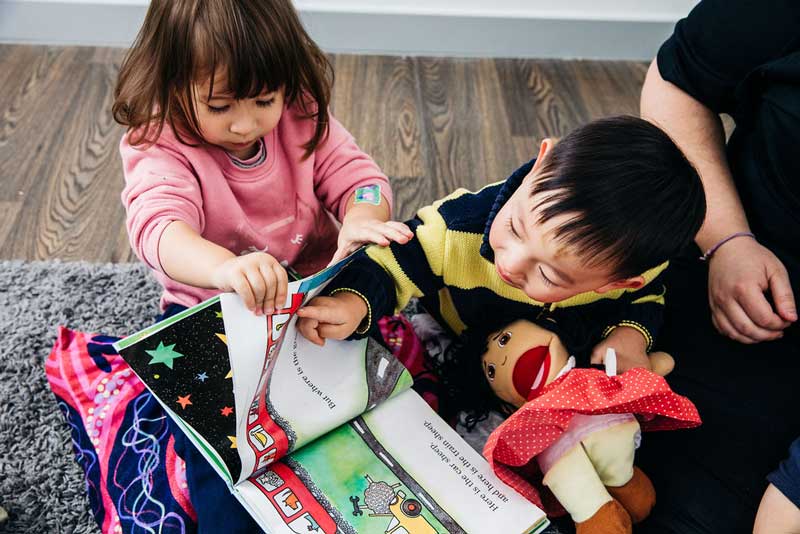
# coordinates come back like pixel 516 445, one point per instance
pixel 333 317
pixel 258 278
pixel 630 346
pixel 739 275
pixel 356 232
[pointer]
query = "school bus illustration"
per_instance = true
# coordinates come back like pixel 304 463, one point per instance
pixel 383 500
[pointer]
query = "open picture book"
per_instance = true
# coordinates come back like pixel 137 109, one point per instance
pixel 317 439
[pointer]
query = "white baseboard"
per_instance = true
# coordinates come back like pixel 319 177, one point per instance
pixel 115 23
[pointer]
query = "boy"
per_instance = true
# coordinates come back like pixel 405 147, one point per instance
pixel 581 236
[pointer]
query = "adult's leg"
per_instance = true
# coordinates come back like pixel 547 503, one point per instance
pixel 710 479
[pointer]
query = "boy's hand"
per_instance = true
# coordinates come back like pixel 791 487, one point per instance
pixel 333 317
pixel 258 278
pixel 630 346
pixel 358 231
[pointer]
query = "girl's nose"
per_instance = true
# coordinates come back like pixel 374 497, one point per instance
pixel 243 126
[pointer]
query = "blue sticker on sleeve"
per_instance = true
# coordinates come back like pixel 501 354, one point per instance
pixel 369 194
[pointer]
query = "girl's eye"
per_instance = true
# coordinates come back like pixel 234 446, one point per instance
pixel 490 371
pixel 220 109
pixel 503 340
pixel 265 103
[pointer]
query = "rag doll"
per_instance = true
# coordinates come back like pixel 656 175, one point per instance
pixel 568 443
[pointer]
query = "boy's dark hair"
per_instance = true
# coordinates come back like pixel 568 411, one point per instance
pixel 261 45
pixel 634 199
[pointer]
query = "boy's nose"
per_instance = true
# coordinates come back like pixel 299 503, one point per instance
pixel 513 265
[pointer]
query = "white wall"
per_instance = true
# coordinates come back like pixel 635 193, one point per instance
pixel 647 10
pixel 595 29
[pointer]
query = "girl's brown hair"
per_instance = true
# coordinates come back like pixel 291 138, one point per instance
pixel 260 44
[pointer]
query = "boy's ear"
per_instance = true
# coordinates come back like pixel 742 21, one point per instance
pixel 544 149
pixel 633 283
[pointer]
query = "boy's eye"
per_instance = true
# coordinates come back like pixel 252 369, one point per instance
pixel 265 103
pixel 510 224
pixel 504 338
pixel 546 280
pixel 218 109
pixel 490 371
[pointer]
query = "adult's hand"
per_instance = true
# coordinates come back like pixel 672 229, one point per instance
pixel 742 274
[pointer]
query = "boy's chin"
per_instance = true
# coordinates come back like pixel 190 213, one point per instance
pixel 546 299
pixel 549 298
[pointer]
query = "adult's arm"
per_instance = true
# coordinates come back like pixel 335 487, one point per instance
pixel 710 53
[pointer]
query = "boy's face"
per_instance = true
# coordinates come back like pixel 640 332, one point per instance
pixel 528 257
pixel 236 125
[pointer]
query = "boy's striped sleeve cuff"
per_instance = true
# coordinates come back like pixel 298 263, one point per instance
pixel 370 282
pixel 366 323
pixel 648 337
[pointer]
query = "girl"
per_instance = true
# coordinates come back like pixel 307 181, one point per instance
pixel 232 160
pixel 235 171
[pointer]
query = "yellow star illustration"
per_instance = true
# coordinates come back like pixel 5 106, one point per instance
pixel 233 441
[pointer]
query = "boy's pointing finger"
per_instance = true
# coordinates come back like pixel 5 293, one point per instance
pixel 320 313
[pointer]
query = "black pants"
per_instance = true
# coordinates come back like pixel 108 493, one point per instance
pixel 711 479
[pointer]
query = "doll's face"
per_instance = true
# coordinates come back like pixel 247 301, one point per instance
pixel 521 359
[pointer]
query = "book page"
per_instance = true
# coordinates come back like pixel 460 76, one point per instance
pixel 184 363
pixel 303 390
pixel 399 468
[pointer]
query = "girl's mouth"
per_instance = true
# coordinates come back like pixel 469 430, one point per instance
pixel 531 371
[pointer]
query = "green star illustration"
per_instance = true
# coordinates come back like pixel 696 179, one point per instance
pixel 219 314
pixel 164 354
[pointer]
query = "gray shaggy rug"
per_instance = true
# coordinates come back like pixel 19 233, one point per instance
pixel 41 485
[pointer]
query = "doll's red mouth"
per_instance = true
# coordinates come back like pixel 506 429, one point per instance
pixel 530 372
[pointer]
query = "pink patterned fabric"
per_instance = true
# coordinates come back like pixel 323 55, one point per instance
pixel 120 453
pixel 402 340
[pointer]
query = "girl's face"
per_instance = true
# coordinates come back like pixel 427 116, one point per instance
pixel 521 359
pixel 236 125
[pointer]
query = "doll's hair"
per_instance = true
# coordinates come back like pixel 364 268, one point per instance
pixel 260 45
pixel 463 384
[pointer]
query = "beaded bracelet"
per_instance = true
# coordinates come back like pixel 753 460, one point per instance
pixel 710 252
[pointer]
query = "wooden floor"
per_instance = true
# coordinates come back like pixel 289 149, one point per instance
pixel 432 124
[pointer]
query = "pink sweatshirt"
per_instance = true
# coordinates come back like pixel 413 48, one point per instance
pixel 282 206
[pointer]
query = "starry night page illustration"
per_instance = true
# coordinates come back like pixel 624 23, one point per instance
pixel 184 362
